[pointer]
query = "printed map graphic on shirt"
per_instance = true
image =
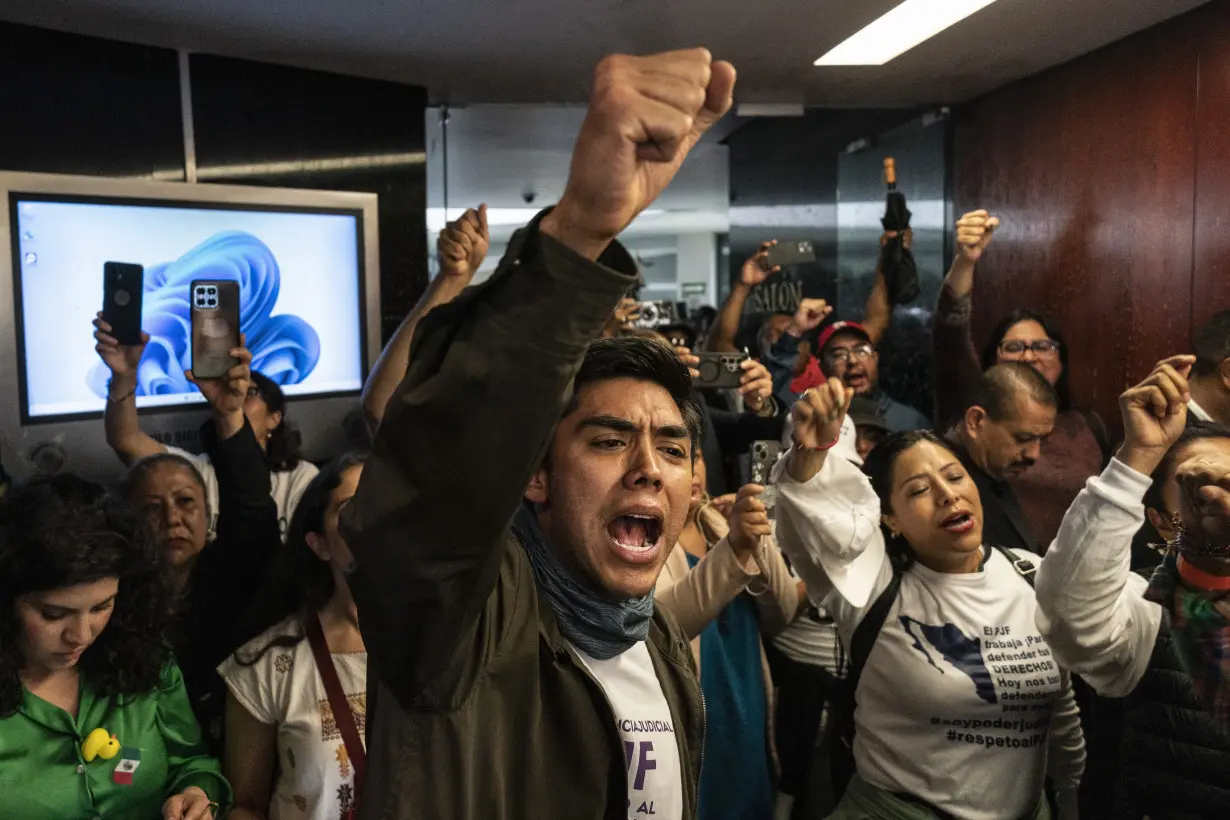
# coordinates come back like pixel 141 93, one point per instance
pixel 962 652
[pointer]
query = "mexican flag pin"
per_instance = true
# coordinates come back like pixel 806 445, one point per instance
pixel 130 759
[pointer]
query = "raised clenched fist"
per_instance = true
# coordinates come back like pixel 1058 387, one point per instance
pixel 819 413
pixel 974 232
pixel 1155 413
pixel 809 316
pixel 644 116
pixel 462 245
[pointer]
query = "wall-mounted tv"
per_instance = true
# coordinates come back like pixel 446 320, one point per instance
pixel 305 261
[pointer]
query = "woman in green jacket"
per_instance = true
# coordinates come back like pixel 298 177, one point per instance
pixel 94 719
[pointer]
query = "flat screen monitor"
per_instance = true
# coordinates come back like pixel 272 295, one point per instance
pixel 307 264
pixel 300 282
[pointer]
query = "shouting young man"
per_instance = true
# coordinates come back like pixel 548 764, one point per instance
pixel 524 490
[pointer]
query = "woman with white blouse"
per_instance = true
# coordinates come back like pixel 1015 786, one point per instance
pixel 288 749
pixel 961 711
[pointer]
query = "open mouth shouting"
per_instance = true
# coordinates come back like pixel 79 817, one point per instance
pixel 960 522
pixel 636 535
pixel 856 379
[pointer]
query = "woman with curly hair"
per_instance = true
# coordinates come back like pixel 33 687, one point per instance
pixel 285 756
pixel 94 717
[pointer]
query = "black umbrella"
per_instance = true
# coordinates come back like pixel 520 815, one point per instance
pixel 900 272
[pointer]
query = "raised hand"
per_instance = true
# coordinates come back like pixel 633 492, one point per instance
pixel 121 360
pixel 810 315
pixel 227 394
pixel 756 269
pixel 755 385
pixel 1155 413
pixel 974 232
pixel 749 520
pixel 462 245
pixel 819 413
pixel 644 116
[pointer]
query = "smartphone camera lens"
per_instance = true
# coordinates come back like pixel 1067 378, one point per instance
pixel 211 290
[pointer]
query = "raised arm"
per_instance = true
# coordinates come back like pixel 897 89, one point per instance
pixel 827 513
pixel 746 559
pixel 460 249
pixel 1091 607
pixel 491 375
pixel 957 362
pixel 755 270
pixel 123 428
pixel 879 314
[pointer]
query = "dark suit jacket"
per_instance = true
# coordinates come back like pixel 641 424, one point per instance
pixel 1003 521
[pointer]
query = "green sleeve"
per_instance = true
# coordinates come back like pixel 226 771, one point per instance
pixel 188 764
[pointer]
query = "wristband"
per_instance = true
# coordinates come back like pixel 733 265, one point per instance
pixel 117 399
pixel 803 448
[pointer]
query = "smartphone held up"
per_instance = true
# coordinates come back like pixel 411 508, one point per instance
pixel 123 289
pixel 215 327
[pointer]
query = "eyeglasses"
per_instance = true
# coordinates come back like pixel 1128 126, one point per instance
pixel 843 355
pixel 1040 347
pixel 253 391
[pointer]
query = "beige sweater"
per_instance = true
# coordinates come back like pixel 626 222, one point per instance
pixel 697 595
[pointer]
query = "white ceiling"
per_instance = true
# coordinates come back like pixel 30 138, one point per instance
pixel 542 50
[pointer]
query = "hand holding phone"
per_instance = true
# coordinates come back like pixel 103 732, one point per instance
pixel 123 290
pixel 215 327
pixel 790 253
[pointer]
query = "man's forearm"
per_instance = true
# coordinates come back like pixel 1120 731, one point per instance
pixel 391 367
pixel 960 278
pixel 722 337
pixel 879 309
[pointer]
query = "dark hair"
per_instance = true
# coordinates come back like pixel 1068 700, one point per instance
pixel 299 583
pixel 1198 431
pixel 1211 344
pixel 990 353
pixel 283 447
pixel 878 467
pixel 63 531
pixel 649 360
pixel 999 386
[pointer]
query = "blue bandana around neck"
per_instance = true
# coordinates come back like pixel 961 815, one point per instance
pixel 600 628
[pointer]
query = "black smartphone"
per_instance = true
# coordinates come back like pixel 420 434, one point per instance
pixel 123 289
pixel 785 254
pixel 719 370
pixel 215 326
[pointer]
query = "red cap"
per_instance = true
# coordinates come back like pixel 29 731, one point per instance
pixel 838 327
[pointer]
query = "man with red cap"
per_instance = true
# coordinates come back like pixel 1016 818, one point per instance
pixel 847 352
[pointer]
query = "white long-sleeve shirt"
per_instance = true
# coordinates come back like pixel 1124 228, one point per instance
pixel 960 697
pixel 1091 606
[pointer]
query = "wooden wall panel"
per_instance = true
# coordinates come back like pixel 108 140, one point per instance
pixel 1091 167
pixel 1211 260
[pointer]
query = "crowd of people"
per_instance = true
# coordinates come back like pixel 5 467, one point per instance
pixel 568 582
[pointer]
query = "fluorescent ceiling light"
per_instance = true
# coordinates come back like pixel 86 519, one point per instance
pixel 900 30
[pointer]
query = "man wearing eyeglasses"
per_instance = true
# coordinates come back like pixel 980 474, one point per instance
pixel 848 353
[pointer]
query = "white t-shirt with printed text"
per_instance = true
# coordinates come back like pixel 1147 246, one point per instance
pixel 961 701
pixel 283 688
pixel 286 486
pixel 643 717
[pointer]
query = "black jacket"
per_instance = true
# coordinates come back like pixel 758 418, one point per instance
pixel 228 575
pixel 1175 758
pixel 731 434
pixel 1003 521
pixel 481 708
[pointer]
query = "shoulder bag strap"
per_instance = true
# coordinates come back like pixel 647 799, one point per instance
pixel 1025 567
pixel 337 702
